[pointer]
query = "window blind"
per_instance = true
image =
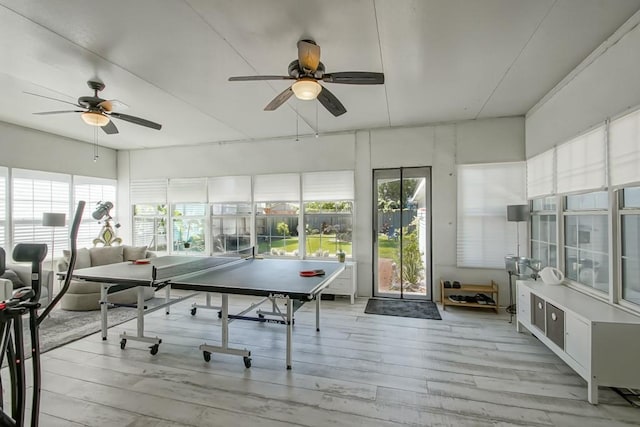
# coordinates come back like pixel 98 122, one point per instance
pixel 581 163
pixel 3 206
pixel 92 191
pixel 484 191
pixel 230 189
pixel 277 187
pixel 191 190
pixel 540 174
pixel 149 191
pixel 331 185
pixel 624 149
pixel 34 193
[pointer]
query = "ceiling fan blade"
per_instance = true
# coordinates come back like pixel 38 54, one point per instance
pixel 110 128
pixel 308 55
pixel 53 99
pixel 279 100
pixel 59 112
pixel 354 78
pixel 331 103
pixel 136 120
pixel 252 78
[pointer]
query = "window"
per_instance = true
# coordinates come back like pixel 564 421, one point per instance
pixel 92 191
pixel 630 239
pixel 188 227
pixel 3 207
pixel 277 200
pixel 328 213
pixel 544 240
pixel 35 193
pixel 231 214
pixel 586 240
pixel 149 199
pixel 484 191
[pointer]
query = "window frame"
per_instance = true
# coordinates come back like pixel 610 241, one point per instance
pixel 623 211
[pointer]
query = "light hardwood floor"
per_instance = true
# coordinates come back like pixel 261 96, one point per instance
pixel 470 369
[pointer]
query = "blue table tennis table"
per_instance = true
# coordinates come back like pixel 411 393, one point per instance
pixel 275 280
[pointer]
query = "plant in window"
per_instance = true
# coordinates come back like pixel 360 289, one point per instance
pixel 412 265
pixel 283 228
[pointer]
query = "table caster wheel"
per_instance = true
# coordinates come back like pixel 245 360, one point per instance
pixel 260 316
pixel 219 315
pixel 154 349
pixel 193 311
pixel 123 343
pixel 247 362
pixel 207 356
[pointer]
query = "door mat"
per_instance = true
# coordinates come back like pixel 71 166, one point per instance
pixel 403 308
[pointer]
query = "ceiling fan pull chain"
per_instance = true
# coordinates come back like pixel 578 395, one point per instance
pixel 317 127
pixel 95 145
pixel 297 139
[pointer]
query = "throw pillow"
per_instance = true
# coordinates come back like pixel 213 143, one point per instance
pixel 132 253
pixel 15 279
pixel 83 258
pixel 106 255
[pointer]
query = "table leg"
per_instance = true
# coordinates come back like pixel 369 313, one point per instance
pixel 318 298
pixel 167 297
pixel 225 320
pixel 289 329
pixel 140 309
pixel 103 310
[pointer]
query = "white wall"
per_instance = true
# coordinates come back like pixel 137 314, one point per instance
pixel 31 149
pixel 605 85
pixel 438 146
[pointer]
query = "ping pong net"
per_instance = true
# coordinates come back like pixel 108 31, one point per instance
pixel 163 273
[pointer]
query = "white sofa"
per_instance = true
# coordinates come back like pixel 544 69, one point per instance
pixel 23 272
pixel 85 296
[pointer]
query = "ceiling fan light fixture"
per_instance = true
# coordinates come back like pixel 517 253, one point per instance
pixel 94 118
pixel 306 89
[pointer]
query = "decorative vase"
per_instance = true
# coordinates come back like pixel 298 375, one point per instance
pixel 341 256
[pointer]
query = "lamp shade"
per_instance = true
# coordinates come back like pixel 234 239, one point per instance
pixel 50 219
pixel 306 89
pixel 517 213
pixel 94 118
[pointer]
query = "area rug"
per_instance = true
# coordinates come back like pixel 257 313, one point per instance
pixel 403 308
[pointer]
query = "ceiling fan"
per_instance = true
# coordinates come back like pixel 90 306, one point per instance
pixel 97 111
pixel 307 71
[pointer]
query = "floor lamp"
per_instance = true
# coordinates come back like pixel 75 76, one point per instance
pixel 517 214
pixel 51 219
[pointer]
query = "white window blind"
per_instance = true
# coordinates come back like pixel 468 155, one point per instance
pixel 188 190
pixel 92 191
pixel 35 193
pixel 581 163
pixel 149 191
pixel 484 191
pixel 230 189
pixel 3 208
pixel 540 174
pixel 330 185
pixel 277 187
pixel 624 149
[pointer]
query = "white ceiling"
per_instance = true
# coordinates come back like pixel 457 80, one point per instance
pixel 169 61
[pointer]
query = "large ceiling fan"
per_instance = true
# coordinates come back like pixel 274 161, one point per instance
pixel 307 71
pixel 99 112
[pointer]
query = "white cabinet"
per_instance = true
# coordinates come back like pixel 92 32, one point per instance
pixel 345 283
pixel 598 340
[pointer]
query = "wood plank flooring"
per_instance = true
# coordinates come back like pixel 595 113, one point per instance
pixel 470 369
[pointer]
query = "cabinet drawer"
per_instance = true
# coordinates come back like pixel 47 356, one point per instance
pixel 340 286
pixel 577 339
pixel 555 325
pixel 346 273
pixel 537 312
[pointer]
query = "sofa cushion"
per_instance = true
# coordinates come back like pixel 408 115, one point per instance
pixel 83 258
pixel 132 253
pixel 11 275
pixel 106 255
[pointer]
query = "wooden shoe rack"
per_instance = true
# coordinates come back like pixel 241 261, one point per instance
pixel 490 289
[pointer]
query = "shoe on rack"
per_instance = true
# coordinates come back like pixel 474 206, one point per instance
pixel 456 298
pixel 447 284
pixel 456 284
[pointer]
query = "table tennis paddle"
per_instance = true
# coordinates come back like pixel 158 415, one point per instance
pixel 141 261
pixel 311 273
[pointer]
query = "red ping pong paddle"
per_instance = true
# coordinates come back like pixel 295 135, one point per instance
pixel 311 273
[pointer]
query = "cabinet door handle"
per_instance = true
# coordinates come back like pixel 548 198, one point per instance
pixel 540 305
pixel 554 317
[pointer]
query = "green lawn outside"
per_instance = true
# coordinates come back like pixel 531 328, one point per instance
pixel 314 243
pixel 388 248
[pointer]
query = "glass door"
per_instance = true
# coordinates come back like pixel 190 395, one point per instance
pixel 402 233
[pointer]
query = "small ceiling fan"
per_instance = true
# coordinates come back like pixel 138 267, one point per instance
pixel 307 71
pixel 97 111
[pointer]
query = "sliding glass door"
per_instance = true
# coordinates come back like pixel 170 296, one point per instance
pixel 402 232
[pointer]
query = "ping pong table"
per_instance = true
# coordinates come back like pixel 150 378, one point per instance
pixel 274 280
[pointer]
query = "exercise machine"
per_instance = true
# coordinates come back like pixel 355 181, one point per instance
pixel 23 301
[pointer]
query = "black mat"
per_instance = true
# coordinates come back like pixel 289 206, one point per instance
pixel 403 308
